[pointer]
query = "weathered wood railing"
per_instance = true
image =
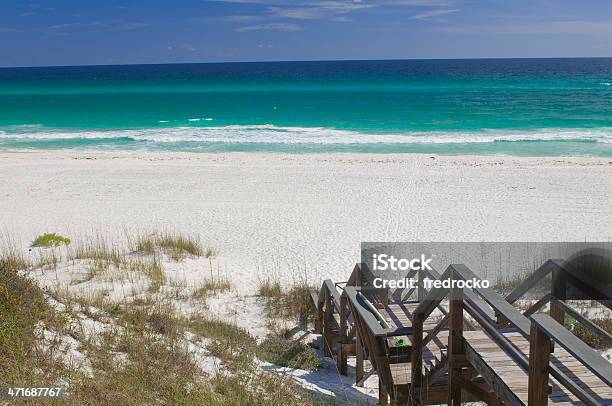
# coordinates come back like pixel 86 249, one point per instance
pixel 372 334
pixel 335 322
pixel 452 320
pixel 363 331
pixel 563 275
pixel 544 329
pixel 512 317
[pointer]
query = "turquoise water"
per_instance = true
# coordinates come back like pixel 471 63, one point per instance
pixel 515 106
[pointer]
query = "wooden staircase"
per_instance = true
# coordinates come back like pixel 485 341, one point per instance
pixel 457 345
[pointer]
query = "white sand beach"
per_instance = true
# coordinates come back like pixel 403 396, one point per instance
pixel 291 218
pixel 296 215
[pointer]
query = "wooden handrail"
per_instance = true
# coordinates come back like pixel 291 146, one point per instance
pixel 531 281
pixel 502 307
pixel 358 301
pixel 538 305
pixel 331 289
pixel 580 280
pixel 581 351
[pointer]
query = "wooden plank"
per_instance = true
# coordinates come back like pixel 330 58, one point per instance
pixel 400 373
pixel 383 397
pixel 503 342
pixel 417 357
pixel 342 355
pixel 328 309
pixel 589 357
pixel 500 387
pixel 358 361
pixel 559 375
pixel 455 345
pixel 539 353
pixel 558 291
pixel 478 305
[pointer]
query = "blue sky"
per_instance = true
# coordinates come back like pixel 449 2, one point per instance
pixel 62 32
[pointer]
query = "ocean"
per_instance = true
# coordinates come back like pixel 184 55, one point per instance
pixel 534 107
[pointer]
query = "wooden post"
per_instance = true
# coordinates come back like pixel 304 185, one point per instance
pixel 455 346
pixel 400 396
pixel 342 356
pixel 416 356
pixel 421 286
pixel 358 360
pixel 319 319
pixel 539 357
pixel 327 324
pixel 382 393
pixel 559 292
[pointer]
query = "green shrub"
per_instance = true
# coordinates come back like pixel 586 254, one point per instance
pixel 50 240
pixel 22 307
pixel 586 335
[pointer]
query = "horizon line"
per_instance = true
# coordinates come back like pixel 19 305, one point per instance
pixel 304 60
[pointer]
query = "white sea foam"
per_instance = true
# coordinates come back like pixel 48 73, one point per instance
pixel 270 134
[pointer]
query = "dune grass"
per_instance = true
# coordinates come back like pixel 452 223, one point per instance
pixel 280 349
pixel 100 250
pixel 23 309
pixel 294 303
pixel 176 245
pixel 142 361
pixel 150 266
pixel 270 289
pixel 141 356
pixel 212 287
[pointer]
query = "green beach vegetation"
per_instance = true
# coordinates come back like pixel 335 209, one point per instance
pixel 50 240
pixel 142 349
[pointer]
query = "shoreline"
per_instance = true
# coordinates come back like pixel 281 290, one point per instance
pixel 296 215
pixel 142 154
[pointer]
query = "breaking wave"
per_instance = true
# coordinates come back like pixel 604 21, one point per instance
pixel 271 134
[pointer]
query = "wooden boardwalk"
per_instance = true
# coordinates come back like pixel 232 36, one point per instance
pixel 452 346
